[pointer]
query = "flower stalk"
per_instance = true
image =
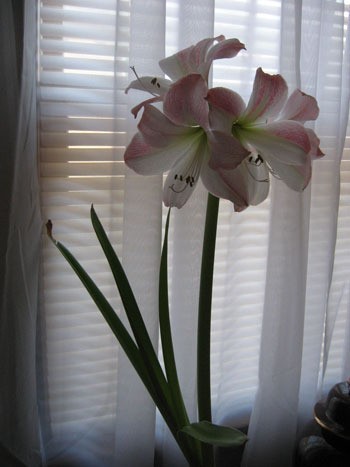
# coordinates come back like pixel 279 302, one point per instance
pixel 204 319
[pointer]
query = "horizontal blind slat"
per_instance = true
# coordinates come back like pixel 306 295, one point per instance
pixel 61 124
pixel 54 155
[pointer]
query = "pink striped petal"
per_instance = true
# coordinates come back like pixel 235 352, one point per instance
pixel 300 107
pixel 295 177
pixel 226 151
pixel 135 110
pixel 144 159
pixel 286 141
pixel 267 99
pixel 157 130
pixel 240 186
pixel 225 106
pixel 226 48
pixel 198 58
pixel 186 61
pixel 315 150
pixel 185 102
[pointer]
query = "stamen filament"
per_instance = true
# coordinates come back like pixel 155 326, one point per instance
pixel 153 82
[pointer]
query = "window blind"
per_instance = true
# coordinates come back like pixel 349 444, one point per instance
pixel 82 137
pixel 83 71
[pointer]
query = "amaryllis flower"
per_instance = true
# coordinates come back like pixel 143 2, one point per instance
pixel 271 128
pixel 179 141
pixel 196 59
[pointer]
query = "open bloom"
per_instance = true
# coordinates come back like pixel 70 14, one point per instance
pixel 196 59
pixel 271 128
pixel 180 141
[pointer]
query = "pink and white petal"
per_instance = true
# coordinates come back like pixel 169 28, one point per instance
pixel 227 48
pixel 225 106
pixel 219 120
pixel 157 130
pixel 286 141
pixel 135 110
pixel 224 49
pixel 145 159
pixel 252 180
pixel 185 102
pixel 176 192
pixel 295 177
pixel 226 151
pixel 188 60
pixel 233 190
pixel 300 107
pixel 240 186
pixel 267 99
pixel 200 51
pixel 152 84
pixel 257 181
pixel 183 177
pixel 177 66
pixel 315 150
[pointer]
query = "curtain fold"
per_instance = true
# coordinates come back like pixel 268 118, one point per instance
pixel 195 21
pixel 142 224
pixel 20 284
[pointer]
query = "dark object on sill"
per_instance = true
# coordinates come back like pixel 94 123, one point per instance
pixel 333 417
pixel 314 451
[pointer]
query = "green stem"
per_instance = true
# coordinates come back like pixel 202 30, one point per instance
pixel 204 319
pixel 191 445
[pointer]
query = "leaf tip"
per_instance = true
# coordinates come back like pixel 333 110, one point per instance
pixel 49 228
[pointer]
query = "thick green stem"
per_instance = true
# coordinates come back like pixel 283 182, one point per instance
pixel 204 319
pixel 192 446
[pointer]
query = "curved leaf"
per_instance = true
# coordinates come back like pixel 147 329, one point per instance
pixel 216 435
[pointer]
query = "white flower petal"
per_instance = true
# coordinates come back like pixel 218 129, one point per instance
pixel 300 107
pixel 148 160
pixel 267 99
pixel 295 177
pixel 226 151
pixel 286 141
pixel 183 177
pixel 152 84
pixel 158 131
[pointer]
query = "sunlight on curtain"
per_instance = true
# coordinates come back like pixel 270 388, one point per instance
pixel 82 144
pixel 93 407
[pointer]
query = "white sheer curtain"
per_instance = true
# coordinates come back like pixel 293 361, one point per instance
pixel 20 236
pixel 280 331
pixel 303 230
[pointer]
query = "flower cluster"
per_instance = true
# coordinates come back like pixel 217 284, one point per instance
pixel 214 135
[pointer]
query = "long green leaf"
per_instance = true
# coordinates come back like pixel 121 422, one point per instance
pixel 122 335
pixel 216 435
pixel 106 309
pixel 132 311
pixel 157 388
pixel 176 414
